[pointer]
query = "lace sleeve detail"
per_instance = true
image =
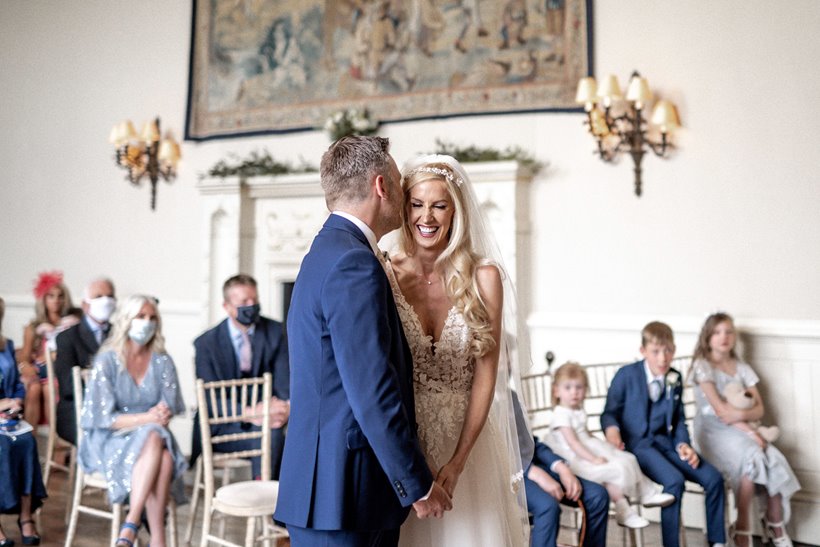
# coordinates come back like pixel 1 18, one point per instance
pixel 702 371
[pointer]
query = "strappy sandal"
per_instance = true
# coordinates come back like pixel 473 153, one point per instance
pixel 125 542
pixel 782 541
pixel 735 534
pixel 28 540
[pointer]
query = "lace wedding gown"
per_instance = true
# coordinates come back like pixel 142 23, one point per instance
pixel 485 510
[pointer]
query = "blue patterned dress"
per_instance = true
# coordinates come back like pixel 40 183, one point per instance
pixel 112 391
pixel 731 450
pixel 19 464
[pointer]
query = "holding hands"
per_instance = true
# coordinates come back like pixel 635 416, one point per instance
pixel 436 503
pixel 448 476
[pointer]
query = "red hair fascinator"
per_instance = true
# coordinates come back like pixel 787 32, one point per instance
pixel 45 281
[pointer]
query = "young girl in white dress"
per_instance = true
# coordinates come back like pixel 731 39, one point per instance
pixel 594 459
pixel 723 435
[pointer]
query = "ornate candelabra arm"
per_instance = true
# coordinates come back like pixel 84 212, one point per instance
pixel 659 148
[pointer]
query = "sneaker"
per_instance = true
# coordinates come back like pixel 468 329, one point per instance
pixel 631 520
pixel 659 499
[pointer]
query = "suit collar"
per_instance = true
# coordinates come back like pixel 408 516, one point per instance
pixel 363 227
pixel 340 223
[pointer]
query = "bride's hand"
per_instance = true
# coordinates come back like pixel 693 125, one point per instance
pixel 448 477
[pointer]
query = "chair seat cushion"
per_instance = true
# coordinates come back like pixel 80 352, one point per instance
pixel 240 498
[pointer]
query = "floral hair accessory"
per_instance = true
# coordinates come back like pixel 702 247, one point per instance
pixel 437 171
pixel 45 281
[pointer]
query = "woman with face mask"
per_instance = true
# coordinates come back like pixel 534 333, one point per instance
pixel 130 398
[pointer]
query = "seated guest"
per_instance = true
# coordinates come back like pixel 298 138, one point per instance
pixel 246 345
pixel 131 396
pixel 549 481
pixel 77 345
pixel 51 307
pixel 21 485
pixel 644 415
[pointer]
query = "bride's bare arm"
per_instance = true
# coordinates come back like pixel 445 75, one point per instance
pixel 481 394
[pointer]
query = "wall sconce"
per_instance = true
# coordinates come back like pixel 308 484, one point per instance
pixel 145 154
pixel 625 132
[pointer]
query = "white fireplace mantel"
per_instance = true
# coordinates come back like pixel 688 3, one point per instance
pixel 265 225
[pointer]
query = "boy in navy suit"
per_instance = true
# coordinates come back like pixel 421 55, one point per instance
pixel 644 414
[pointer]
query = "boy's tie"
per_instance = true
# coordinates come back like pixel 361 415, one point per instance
pixel 655 390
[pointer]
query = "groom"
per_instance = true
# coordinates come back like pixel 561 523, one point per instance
pixel 352 466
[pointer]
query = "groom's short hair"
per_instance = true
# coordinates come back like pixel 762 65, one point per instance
pixel 349 164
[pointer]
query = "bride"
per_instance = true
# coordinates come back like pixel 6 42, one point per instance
pixel 449 289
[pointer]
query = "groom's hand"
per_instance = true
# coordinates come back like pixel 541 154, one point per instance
pixel 435 505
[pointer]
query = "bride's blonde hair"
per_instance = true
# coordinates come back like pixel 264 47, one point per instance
pixel 457 264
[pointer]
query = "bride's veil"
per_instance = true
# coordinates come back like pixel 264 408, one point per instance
pixel 514 347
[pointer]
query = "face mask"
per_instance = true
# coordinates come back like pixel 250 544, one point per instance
pixel 247 315
pixel 101 308
pixel 142 330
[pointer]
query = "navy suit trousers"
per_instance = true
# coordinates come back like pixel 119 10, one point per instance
pixel 663 465
pixel 546 512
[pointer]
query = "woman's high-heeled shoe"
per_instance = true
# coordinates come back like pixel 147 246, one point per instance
pixel 123 541
pixel 6 542
pixel 28 540
pixel 778 541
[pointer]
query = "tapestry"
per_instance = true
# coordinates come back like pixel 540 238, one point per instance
pixel 267 66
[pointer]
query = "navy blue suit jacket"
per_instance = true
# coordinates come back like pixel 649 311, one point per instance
pixel 215 360
pixel 352 459
pixel 627 407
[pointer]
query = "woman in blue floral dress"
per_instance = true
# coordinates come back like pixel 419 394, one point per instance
pixel 131 396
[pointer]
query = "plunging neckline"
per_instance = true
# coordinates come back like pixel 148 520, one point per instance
pixel 432 343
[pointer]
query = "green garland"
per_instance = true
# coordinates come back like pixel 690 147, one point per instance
pixel 472 153
pixel 257 164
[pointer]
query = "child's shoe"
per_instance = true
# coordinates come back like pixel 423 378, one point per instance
pixel 626 516
pixel 658 499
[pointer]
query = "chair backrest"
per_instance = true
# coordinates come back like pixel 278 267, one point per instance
pixel 537 390
pixel 51 391
pixel 234 401
pixel 77 376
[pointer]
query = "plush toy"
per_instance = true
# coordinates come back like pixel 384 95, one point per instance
pixel 740 398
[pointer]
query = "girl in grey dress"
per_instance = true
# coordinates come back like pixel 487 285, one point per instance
pixel 131 396
pixel 753 466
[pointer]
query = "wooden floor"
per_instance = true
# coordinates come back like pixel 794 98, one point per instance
pixel 94 532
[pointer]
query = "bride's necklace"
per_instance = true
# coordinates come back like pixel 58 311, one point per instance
pixel 428 279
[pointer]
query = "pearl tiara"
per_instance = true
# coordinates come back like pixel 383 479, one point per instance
pixel 437 171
